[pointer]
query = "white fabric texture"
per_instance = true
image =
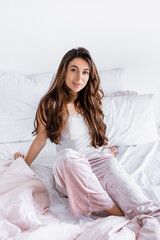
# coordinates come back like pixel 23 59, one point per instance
pixel 19 99
pixel 130 120
pixel 112 80
pixel 76 135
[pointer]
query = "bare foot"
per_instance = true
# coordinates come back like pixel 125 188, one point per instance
pixel 115 211
pixel 18 154
pixel 114 150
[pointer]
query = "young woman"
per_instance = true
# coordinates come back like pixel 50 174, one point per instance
pixel 86 171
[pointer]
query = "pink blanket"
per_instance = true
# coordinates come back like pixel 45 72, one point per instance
pixel 22 195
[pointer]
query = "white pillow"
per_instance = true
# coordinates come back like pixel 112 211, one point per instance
pixel 121 93
pixel 130 120
pixel 19 99
pixel 112 80
pixel 20 96
pixel 42 77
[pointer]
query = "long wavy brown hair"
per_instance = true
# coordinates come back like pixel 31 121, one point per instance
pixel 52 110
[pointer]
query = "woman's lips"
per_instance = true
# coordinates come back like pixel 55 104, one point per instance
pixel 77 84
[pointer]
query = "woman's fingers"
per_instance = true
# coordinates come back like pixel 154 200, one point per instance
pixel 114 150
pixel 18 154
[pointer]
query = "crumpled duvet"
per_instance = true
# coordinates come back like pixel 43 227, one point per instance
pixel 22 195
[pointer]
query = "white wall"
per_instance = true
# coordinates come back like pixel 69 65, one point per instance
pixel 35 34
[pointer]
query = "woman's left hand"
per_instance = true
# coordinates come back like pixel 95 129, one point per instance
pixel 114 150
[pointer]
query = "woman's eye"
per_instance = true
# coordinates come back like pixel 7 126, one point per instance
pixel 85 72
pixel 73 70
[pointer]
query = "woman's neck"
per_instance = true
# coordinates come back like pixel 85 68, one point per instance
pixel 71 108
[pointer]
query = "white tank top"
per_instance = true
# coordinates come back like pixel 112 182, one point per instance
pixel 76 135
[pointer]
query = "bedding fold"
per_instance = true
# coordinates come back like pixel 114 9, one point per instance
pixel 22 194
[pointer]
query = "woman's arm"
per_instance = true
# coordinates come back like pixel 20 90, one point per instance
pixel 35 148
pixel 37 145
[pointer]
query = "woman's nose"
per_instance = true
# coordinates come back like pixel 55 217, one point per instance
pixel 80 76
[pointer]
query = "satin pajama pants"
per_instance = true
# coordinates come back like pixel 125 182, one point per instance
pixel 97 181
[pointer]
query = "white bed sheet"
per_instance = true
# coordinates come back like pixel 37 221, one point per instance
pixel 143 164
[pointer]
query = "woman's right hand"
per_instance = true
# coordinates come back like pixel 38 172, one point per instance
pixel 114 150
pixel 18 154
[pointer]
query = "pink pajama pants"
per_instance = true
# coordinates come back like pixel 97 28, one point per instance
pixel 97 181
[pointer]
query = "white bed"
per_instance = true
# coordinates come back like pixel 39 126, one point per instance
pixel 26 213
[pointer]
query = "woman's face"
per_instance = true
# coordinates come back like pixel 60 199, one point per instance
pixel 77 74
